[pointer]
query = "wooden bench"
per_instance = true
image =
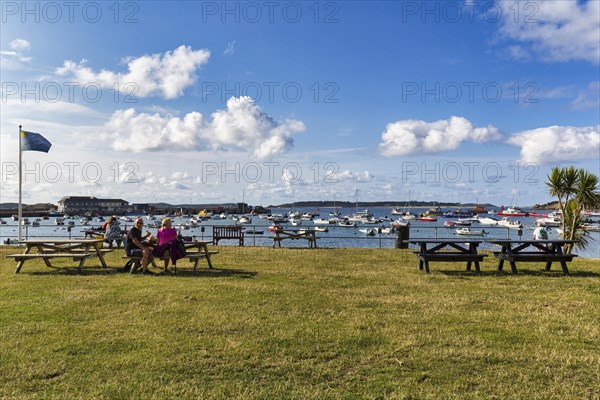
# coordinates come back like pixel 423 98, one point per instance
pixel 228 232
pixel 450 257
pixel 533 256
pixel 308 235
pixel 20 258
pixel 192 256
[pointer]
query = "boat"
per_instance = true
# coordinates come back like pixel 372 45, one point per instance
pixel 449 224
pixel 15 217
pixel 275 228
pixel 36 222
pixel 458 213
pixel 368 231
pixel 386 231
pixel 244 220
pixel 321 229
pixel 549 221
pixel 400 222
pixel 512 212
pixel 295 221
pixel 321 221
pixel 59 221
pixel 2 222
pixel 487 220
pixel 425 218
pixel 253 232
pixel 346 224
pixel 397 211
pixel 509 223
pixel 470 232
pixel 408 216
pixel 591 227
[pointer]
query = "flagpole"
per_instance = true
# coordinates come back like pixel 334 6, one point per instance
pixel 20 187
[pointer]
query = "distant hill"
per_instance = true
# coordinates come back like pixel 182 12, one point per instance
pixel 363 204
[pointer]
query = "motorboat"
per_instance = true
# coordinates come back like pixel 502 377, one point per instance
pixel 321 229
pixel 368 231
pixel 487 220
pixel 425 218
pixel 512 212
pixel 321 221
pixel 470 232
pixel 509 223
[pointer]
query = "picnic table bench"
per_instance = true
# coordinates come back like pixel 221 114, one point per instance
pixel 547 251
pixel 47 249
pixel 200 252
pixel 448 250
pixel 228 232
pixel 306 234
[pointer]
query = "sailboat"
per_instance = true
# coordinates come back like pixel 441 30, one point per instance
pixel 336 212
pixel 405 214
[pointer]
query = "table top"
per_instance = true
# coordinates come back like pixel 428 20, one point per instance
pixel 446 240
pixel 530 241
pixel 62 241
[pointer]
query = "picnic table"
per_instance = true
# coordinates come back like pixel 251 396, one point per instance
pixel 547 251
pixel 47 249
pixel 448 250
pixel 305 234
pixel 199 250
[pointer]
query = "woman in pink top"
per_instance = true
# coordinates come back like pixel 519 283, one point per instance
pixel 167 239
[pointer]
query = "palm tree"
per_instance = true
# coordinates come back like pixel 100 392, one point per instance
pixel 576 191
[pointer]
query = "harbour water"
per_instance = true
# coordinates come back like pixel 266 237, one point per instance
pixel 335 237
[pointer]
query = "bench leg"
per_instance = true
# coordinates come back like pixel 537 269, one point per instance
pixel 427 267
pixel 420 265
pixel 565 270
pixel 477 270
pixel 468 265
pixel 19 266
pixel 500 265
pixel 513 267
pixel 548 265
pixel 80 267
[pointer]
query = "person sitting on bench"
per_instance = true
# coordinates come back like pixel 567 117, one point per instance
pixel 135 248
pixel 167 240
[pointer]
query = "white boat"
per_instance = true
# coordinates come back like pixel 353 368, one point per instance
pixel 244 220
pixel 2 222
pixel 386 231
pixel 321 229
pixel 591 227
pixel 549 221
pixel 346 224
pixel 295 221
pixel 397 211
pixel 321 221
pixel 408 216
pixel 509 223
pixel 487 220
pixel 400 222
pixel 368 231
pixel 59 221
pixel 36 222
pixel 470 232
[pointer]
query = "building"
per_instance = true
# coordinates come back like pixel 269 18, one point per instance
pixel 80 204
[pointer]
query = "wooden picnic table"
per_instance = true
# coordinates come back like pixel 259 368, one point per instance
pixel 547 251
pixel 448 250
pixel 46 249
pixel 200 251
pixel 306 234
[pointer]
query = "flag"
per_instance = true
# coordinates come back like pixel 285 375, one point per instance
pixel 34 142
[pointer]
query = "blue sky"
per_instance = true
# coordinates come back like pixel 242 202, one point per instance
pixel 287 101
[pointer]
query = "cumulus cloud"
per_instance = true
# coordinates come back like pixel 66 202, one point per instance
pixel 241 126
pixel 165 74
pixel 553 30
pixel 411 136
pixel 17 55
pixel 350 176
pixel 558 143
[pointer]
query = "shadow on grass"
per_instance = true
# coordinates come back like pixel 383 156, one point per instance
pixel 181 273
pixel 553 273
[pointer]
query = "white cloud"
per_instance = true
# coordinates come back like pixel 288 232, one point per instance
pixel 415 136
pixel 242 126
pixel 553 30
pixel 165 74
pixel 558 143
pixel 350 176
pixel 17 55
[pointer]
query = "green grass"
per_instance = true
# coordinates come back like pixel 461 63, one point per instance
pixel 300 324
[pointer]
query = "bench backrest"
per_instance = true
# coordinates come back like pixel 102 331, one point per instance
pixel 225 232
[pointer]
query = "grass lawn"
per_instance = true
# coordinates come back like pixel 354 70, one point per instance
pixel 300 324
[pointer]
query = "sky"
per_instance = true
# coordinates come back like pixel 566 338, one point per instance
pixel 273 102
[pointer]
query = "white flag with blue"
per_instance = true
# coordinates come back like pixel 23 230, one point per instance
pixel 31 141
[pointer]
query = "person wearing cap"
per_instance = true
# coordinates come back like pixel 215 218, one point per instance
pixel 134 246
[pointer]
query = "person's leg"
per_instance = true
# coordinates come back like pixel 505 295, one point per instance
pixel 145 259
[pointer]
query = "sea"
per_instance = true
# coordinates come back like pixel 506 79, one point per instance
pixel 336 237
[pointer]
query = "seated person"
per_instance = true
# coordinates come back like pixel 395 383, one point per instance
pixel 134 247
pixel 112 232
pixel 167 240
